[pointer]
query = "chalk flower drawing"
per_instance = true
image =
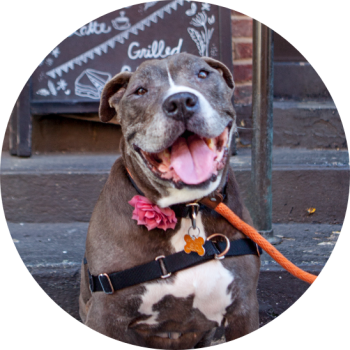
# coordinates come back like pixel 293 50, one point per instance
pixel 205 6
pixel 211 20
pixel 61 84
pixel 201 39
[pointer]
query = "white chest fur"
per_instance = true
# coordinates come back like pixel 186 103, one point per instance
pixel 208 283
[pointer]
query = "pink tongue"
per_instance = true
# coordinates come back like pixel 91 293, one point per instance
pixel 192 160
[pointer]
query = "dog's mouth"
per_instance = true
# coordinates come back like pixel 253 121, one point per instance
pixel 191 159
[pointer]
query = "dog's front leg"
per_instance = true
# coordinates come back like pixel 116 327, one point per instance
pixel 207 339
pixel 242 317
pixel 242 322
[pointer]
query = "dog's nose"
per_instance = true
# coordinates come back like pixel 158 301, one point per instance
pixel 181 106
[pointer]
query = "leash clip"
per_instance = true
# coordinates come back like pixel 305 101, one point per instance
pixel 194 212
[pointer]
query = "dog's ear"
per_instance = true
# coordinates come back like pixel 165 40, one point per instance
pixel 111 96
pixel 224 71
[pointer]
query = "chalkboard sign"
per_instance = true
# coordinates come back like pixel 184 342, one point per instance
pixel 78 68
pixel 71 78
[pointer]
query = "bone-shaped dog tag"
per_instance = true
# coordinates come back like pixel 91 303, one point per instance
pixel 194 245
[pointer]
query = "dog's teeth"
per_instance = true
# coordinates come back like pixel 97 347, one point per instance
pixel 210 143
pixel 165 156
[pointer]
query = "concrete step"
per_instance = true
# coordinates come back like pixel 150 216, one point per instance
pixel 308 124
pixel 298 80
pixel 53 254
pixel 65 188
pixel 298 124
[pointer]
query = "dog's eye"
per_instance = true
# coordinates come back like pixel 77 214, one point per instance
pixel 202 74
pixel 140 91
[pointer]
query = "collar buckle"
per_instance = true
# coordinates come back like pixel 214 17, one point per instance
pixel 107 287
pixel 166 274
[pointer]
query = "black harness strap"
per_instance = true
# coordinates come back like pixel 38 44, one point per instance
pixel 163 267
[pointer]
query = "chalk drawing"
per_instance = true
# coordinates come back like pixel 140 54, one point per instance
pixel 149 4
pixel 126 68
pixel 192 11
pixel 43 92
pixel 42 76
pixel 55 52
pixel 205 6
pixel 120 38
pixel 201 39
pixel 52 88
pixel 93 28
pixel 49 61
pixel 156 50
pixel 61 84
pixel 214 51
pixel 121 22
pixel 211 20
pixel 90 83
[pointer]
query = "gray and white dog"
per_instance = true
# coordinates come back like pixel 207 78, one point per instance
pixel 177 120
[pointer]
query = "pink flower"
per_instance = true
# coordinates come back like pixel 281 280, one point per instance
pixel 150 215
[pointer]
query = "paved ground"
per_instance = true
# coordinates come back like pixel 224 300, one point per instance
pixel 45 245
pixel 57 186
pixel 53 254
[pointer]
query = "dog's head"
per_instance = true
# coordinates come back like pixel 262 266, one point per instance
pixel 177 120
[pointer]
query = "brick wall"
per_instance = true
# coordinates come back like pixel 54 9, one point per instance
pixel 242 51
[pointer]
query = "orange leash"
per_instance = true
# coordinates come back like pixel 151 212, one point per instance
pixel 253 234
pixel 249 231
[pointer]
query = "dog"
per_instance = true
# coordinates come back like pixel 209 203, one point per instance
pixel 177 121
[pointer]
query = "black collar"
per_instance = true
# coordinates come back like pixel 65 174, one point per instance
pixel 181 210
